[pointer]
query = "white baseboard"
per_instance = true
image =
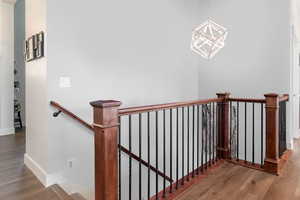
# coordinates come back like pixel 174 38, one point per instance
pixel 46 179
pixel 7 131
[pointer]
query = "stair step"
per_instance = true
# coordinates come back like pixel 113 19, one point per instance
pixel 60 192
pixel 77 196
pixel 46 194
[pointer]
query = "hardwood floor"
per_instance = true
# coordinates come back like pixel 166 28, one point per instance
pixel 227 182
pixel 16 181
pixel 232 182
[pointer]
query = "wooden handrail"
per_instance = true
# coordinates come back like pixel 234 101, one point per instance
pixel 247 100
pixel 72 115
pixel 122 148
pixel 284 97
pixel 150 108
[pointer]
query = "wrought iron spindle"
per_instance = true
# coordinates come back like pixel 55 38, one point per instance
pixel 130 159
pixel 238 130
pixel 193 145
pixel 198 132
pixel 156 156
pixel 245 131
pixel 253 132
pixel 171 147
pixel 210 133
pixel 182 146
pixel 230 127
pixel 120 162
pixel 262 134
pixel 188 143
pixel 213 142
pixel 140 155
pixel 177 133
pixel 164 151
pixel 148 145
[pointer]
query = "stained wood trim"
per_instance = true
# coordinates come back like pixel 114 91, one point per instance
pixel 246 164
pixel 150 108
pixel 145 163
pixel 188 184
pixel 72 115
pixel 284 97
pixel 247 100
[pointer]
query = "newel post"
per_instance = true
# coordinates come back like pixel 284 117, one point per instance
pixel 106 145
pixel 271 163
pixel 223 125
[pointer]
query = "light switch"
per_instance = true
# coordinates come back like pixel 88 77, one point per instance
pixel 65 82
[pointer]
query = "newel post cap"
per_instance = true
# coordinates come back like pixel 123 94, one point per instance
pixel 272 95
pixel 105 103
pixel 224 95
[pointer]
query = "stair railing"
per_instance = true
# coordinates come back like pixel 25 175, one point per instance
pixel 195 136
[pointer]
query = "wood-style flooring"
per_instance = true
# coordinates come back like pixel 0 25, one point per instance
pixel 16 181
pixel 233 182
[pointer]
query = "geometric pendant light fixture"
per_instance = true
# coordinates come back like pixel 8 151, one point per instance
pixel 208 39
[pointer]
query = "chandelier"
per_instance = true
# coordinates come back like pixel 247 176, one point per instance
pixel 208 39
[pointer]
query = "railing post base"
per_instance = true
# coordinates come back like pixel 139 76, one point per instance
pixel 106 149
pixel 271 166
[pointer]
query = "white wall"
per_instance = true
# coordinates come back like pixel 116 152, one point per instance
pixel 6 68
pixel 36 96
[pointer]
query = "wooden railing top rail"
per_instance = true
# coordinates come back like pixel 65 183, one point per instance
pixel 150 108
pixel 247 100
pixel 284 97
pixel 72 115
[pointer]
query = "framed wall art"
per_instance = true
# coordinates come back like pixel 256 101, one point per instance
pixel 34 47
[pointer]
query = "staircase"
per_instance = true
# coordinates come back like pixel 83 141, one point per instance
pixel 55 192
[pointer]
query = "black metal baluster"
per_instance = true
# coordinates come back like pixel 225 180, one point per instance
pixel 164 151
pixel 120 163
pixel 245 131
pixel 230 128
pixel 188 143
pixel 140 155
pixel 262 134
pixel 148 140
pixel 210 133
pixel 202 140
pixel 253 132
pixel 217 129
pixel 214 145
pixel 198 131
pixel 156 156
pixel 206 142
pixel 130 159
pixel 177 131
pixel 171 146
pixel 193 146
pixel 238 130
pixel 182 145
